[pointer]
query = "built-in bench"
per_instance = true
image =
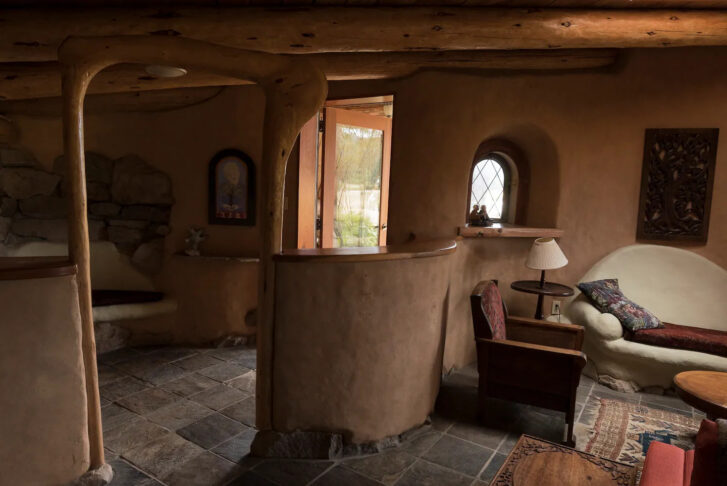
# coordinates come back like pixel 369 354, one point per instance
pixel 120 291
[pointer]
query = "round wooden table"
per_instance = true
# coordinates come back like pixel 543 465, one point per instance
pixel 547 288
pixel 704 390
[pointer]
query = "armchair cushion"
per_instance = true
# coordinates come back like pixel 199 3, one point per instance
pixel 494 311
pixel 607 297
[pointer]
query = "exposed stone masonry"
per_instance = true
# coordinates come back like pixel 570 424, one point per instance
pixel 129 203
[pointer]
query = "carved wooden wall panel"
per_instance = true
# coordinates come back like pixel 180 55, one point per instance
pixel 676 184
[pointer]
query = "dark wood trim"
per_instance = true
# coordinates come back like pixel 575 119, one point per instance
pixel 22 268
pixel 423 249
pixel 502 146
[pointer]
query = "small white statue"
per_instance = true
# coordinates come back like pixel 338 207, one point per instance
pixel 196 236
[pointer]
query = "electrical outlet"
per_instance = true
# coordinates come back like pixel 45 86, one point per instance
pixel 555 308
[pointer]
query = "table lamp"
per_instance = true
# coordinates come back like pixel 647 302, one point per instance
pixel 545 254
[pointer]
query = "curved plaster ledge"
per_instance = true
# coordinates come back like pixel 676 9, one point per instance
pixel 358 348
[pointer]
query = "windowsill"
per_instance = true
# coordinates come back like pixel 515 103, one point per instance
pixel 504 230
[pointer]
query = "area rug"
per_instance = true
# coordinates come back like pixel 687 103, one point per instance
pixel 622 431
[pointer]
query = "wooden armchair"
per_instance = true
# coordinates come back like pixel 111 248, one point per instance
pixel 525 360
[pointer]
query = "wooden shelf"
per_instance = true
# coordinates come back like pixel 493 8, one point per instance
pixel 415 249
pixel 504 230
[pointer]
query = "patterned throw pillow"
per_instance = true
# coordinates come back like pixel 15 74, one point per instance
pixel 607 297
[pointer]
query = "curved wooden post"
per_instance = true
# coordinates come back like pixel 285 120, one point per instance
pixel 75 82
pixel 294 91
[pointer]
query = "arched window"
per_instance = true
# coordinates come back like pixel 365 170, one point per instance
pixel 498 180
pixel 491 186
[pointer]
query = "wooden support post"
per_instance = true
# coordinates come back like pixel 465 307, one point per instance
pixel 294 91
pixel 74 82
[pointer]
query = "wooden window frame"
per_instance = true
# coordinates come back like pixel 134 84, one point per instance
pixel 511 159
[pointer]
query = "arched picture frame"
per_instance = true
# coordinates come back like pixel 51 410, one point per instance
pixel 232 188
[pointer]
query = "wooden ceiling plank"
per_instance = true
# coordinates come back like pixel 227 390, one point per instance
pixel 41 80
pixel 34 35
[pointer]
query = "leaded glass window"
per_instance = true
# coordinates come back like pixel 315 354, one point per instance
pixel 490 186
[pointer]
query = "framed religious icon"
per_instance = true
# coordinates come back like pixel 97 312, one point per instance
pixel 676 184
pixel 232 188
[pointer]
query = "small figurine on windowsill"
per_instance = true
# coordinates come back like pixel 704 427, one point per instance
pixel 478 216
pixel 196 236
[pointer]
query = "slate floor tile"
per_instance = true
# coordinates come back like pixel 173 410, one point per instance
pixel 245 382
pixel 242 411
pixel 615 395
pixel 459 455
pixel 148 400
pixel 223 371
pixel 163 455
pixel 113 416
pixel 108 374
pixel 206 469
pixel 189 384
pixel 424 473
pixel 219 397
pixel 492 468
pixel 127 475
pixel 197 362
pixel 134 434
pixel 478 434
pixel 421 443
pixel 140 364
pixel 250 478
pixel 665 400
pixel 237 448
pixel 290 472
pixel 161 374
pixel 385 467
pixel 440 423
pixel 340 475
pixel 169 355
pixel 118 356
pixel 122 388
pixel 179 414
pixel 232 352
pixel 211 431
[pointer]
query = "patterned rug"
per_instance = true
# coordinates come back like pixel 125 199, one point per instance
pixel 622 431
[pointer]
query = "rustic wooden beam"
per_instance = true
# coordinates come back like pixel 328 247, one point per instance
pixel 138 102
pixel 35 34
pixel 29 80
pixel 673 4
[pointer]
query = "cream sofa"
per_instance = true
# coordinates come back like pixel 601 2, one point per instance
pixel 678 286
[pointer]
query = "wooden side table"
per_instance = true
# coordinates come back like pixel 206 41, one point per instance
pixel 705 391
pixel 541 289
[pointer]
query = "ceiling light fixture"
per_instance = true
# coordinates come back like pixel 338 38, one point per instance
pixel 165 71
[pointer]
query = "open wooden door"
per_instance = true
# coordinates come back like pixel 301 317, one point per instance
pixel 355 189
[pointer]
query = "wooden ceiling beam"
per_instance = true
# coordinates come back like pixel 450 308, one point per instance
pixel 42 79
pixel 35 34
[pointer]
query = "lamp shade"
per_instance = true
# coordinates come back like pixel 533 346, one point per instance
pixel 545 254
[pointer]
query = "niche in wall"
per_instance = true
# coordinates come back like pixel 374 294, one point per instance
pixel 499 179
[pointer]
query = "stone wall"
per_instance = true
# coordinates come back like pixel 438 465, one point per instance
pixel 129 203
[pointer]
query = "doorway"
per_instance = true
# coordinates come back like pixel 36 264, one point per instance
pixel 343 194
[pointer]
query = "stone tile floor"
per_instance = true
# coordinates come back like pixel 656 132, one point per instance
pixel 185 417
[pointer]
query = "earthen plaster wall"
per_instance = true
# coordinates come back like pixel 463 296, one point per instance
pixel 42 386
pixel 583 136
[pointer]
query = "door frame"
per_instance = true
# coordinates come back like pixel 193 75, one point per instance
pixel 333 116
